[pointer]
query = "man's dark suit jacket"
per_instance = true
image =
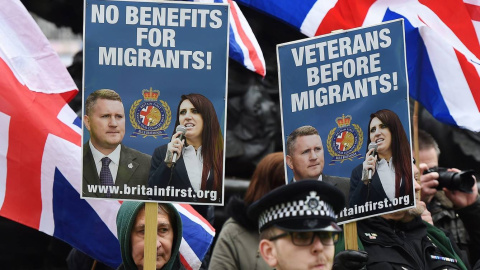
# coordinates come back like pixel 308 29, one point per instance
pixel 342 183
pixel 132 171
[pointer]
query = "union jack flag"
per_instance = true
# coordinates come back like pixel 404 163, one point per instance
pixel 243 45
pixel 442 44
pixel 40 150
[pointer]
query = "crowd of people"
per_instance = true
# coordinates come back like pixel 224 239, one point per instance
pixel 282 223
pixel 287 223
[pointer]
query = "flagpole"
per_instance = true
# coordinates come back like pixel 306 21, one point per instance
pixel 94 265
pixel 415 140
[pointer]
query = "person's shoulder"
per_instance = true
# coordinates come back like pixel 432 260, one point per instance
pixel 231 229
pixel 136 153
pixel 335 178
pixel 436 234
pixel 161 149
pixel 231 225
pixel 86 148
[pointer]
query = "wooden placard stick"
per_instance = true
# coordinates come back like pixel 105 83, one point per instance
pixel 350 235
pixel 150 249
pixel 416 147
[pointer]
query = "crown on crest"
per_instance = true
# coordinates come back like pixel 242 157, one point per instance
pixel 344 120
pixel 150 94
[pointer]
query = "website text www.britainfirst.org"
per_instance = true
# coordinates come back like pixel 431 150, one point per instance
pixel 166 192
pixel 372 206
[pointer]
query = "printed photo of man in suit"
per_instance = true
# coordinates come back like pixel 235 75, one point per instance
pixel 305 157
pixel 111 169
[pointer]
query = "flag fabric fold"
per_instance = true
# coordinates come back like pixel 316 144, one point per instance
pixel 243 45
pixel 197 236
pixel 442 43
pixel 40 149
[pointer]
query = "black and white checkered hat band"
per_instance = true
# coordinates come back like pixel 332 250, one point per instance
pixel 310 207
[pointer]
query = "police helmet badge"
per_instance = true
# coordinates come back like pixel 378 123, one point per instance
pixel 345 140
pixel 150 116
pixel 312 200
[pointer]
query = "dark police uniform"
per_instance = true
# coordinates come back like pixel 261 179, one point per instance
pixel 413 245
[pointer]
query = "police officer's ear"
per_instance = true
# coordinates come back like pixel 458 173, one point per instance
pixel 268 252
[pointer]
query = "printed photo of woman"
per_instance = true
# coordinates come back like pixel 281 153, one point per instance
pixel 385 177
pixel 190 169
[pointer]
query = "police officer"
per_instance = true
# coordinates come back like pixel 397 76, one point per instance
pixel 297 224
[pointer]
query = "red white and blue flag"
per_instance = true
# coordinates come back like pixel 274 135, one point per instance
pixel 40 150
pixel 442 44
pixel 243 45
pixel 197 236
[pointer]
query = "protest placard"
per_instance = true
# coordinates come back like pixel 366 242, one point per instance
pixel 335 83
pixel 159 58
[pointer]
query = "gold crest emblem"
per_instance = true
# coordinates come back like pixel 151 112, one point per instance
pixel 345 140
pixel 150 116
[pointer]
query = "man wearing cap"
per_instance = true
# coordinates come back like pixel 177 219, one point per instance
pixel 131 232
pixel 298 226
pixel 305 157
